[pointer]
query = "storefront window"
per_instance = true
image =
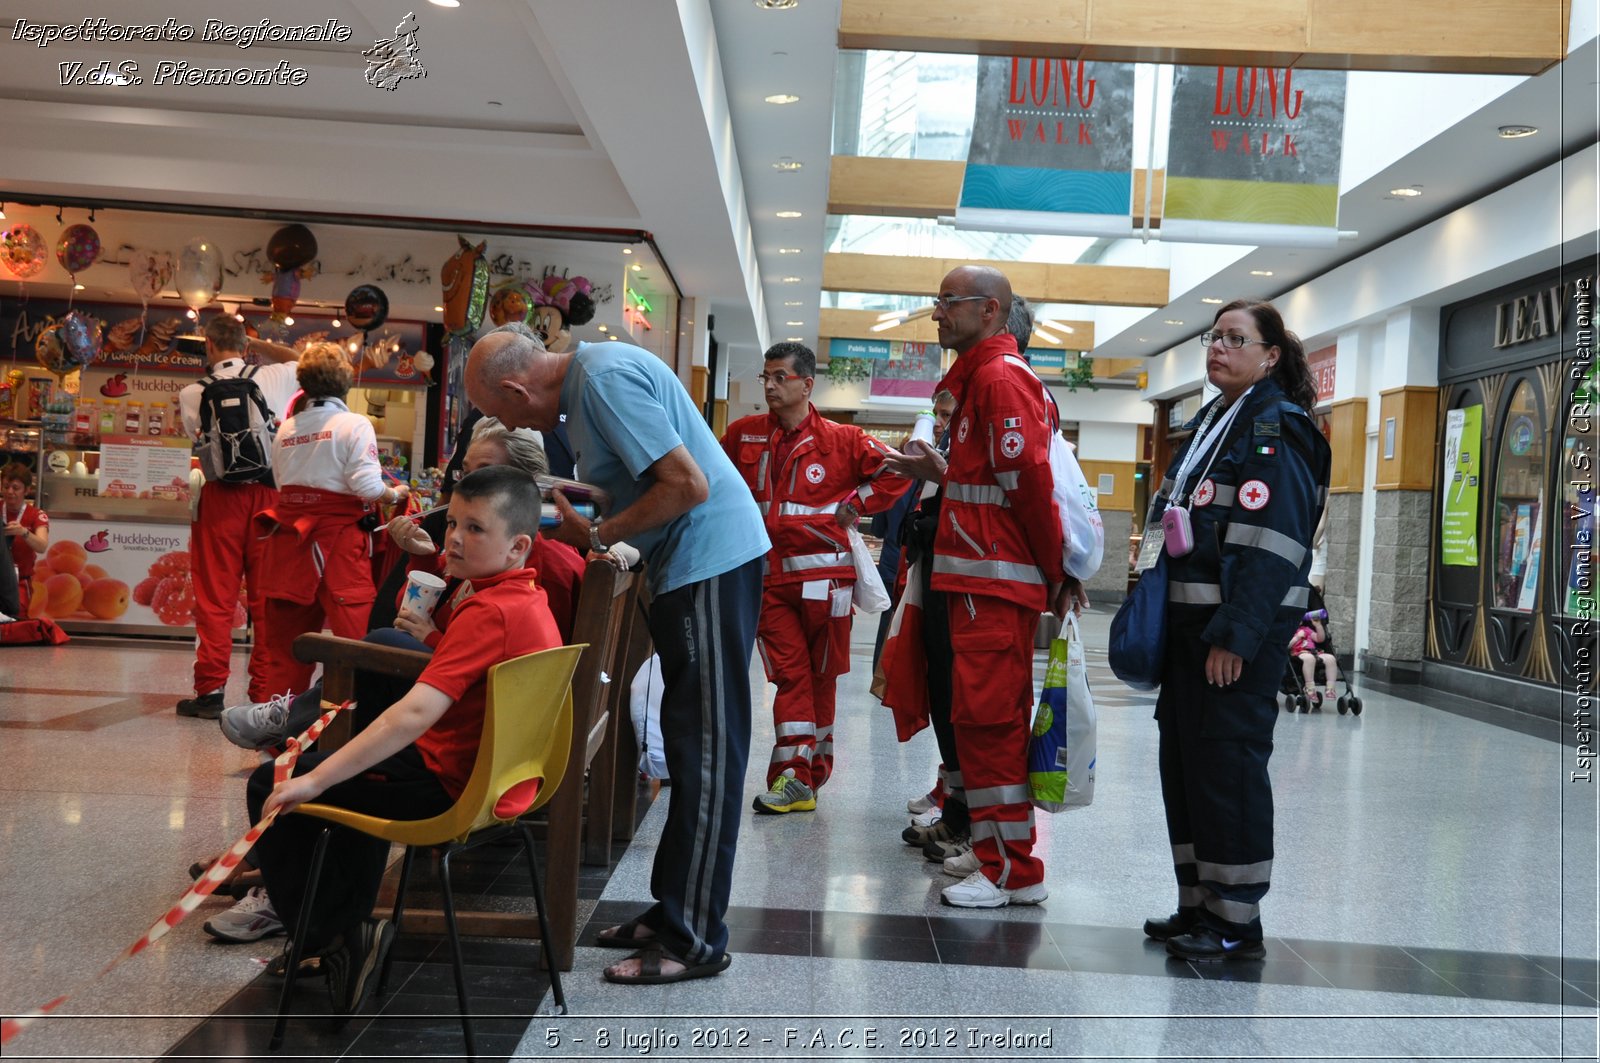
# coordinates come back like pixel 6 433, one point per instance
pixel 1577 488
pixel 1519 503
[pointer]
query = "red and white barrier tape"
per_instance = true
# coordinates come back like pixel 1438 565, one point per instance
pixel 282 767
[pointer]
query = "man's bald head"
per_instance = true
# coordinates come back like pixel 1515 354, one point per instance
pixel 511 376
pixel 986 281
pixel 975 302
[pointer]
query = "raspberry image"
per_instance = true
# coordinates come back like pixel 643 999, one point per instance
pixel 145 592
pixel 175 563
pixel 173 600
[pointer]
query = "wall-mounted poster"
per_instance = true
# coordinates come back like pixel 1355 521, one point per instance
pixel 1463 458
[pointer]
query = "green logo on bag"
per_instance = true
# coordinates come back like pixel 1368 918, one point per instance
pixel 1042 722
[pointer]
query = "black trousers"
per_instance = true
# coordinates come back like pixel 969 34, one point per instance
pixel 10 596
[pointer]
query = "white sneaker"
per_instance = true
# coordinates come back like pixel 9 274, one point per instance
pixel 962 864
pixel 976 891
pixel 927 817
pixel 257 724
pixel 252 919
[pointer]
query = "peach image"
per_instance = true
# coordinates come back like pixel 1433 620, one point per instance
pixel 66 556
pixel 107 599
pixel 63 594
pixel 94 572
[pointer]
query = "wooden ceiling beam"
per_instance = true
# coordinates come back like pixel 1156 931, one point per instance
pixel 1038 282
pixel 857 325
pixel 928 188
pixel 1433 36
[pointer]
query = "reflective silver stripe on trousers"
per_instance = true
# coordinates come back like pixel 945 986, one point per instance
pixel 977 494
pixel 795 509
pixel 824 732
pixel 1007 570
pixel 1232 911
pixel 1183 854
pixel 781 754
pixel 805 562
pixel 1236 874
pixel 824 749
pixel 764 507
pixel 1274 542
pixel 998 795
pixel 791 730
pixel 1298 598
pixel 1003 830
pixel 1007 480
pixel 1211 594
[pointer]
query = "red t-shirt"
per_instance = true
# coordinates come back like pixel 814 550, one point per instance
pixel 33 518
pixel 506 616
pixel 560 569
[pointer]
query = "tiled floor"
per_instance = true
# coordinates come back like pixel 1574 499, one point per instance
pixel 1434 896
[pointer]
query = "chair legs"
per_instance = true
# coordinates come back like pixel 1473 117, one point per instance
pixel 298 943
pixel 399 910
pixel 454 934
pixel 545 944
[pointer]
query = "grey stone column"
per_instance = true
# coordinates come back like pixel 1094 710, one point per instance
pixel 1397 628
pixel 1110 584
pixel 1341 589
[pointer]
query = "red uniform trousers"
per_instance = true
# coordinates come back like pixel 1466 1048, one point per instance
pixel 223 550
pixel 991 708
pixel 325 577
pixel 804 650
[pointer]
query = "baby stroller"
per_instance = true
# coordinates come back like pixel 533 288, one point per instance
pixel 1297 697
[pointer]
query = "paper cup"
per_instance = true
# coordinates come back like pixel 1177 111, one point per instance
pixel 923 429
pixel 422 593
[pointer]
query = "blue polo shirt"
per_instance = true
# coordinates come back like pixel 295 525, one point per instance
pixel 625 409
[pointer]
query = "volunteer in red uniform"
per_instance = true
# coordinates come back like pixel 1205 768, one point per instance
pixel 222 552
pixel 812 478
pixel 27 530
pixel 317 555
pixel 997 557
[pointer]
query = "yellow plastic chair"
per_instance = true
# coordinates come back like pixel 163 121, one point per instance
pixel 522 756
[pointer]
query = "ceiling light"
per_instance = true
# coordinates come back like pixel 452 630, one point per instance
pixel 1045 335
pixel 777 5
pixel 192 316
pixel 795 339
pixel 336 323
pixel 787 165
pixel 781 214
pixel 1172 321
pixel 1141 339
pixel 788 250
pixel 1406 193
pixel 794 324
pixel 627 250
pixel 1261 273
pixel 1517 132
pixel 602 328
pixel 438 310
pixel 794 302
pixel 781 98
pixel 791 280
pixel 239 318
pixel 288 321
pixel 445 3
pixel 636 267
pixel 77 287
pixel 1210 299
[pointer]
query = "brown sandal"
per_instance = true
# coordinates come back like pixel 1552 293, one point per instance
pixel 625 936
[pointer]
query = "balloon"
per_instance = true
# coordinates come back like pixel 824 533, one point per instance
pixel 149 272
pixel 509 304
pixel 81 336
pixel 291 247
pixel 366 307
pixel 466 288
pixel 49 351
pixel 285 293
pixel 198 276
pixel 77 248
pixel 22 251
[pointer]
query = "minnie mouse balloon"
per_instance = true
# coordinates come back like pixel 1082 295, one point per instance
pixel 149 272
pixel 291 247
pixel 77 248
pixel 366 307
pixel 198 276
pixel 81 337
pixel 22 251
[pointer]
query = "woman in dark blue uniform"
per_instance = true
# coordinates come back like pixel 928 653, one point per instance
pixel 1252 480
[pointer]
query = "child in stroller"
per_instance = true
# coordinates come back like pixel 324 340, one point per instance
pixel 1311 649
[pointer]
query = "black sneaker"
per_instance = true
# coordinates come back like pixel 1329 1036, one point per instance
pixel 1205 945
pixel 310 966
pixel 202 706
pixel 354 965
pixel 1179 922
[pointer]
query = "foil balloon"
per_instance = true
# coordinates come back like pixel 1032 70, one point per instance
pixel 77 248
pixel 291 247
pixel 22 251
pixel 466 288
pixel 285 293
pixel 149 272
pixel 509 303
pixel 198 276
pixel 366 307
pixel 423 361
pixel 49 350
pixel 81 338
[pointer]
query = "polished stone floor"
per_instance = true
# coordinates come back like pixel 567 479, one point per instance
pixel 1434 896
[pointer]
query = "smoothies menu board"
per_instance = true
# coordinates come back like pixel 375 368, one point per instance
pixel 144 467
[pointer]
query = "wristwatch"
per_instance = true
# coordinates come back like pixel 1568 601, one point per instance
pixel 594 539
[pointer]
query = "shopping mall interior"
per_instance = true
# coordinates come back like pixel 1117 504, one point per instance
pixel 1417 190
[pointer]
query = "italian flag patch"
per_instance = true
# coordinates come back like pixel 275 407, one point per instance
pixel 1266 450
pixel 1011 422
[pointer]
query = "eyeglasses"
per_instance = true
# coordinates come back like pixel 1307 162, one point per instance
pixel 944 302
pixel 1232 342
pixel 776 379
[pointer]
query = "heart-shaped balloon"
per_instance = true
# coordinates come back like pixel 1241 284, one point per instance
pixel 149 272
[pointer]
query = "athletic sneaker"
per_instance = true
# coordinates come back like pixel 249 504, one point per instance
pixel 251 919
pixel 354 964
pixel 934 798
pixel 928 818
pixel 1179 922
pixel 963 864
pixel 202 706
pixel 976 891
pixel 1206 946
pixel 788 794
pixel 254 725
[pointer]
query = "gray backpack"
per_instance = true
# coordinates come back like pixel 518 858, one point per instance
pixel 236 430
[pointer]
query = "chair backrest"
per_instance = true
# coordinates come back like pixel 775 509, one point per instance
pixel 527 735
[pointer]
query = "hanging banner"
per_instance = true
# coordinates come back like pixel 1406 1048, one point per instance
pixel 911 373
pixel 1052 148
pixel 1463 442
pixel 1253 156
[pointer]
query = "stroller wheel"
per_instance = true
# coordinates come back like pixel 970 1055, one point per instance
pixel 1315 702
pixel 1344 705
pixel 1355 705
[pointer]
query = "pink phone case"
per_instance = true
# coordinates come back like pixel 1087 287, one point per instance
pixel 1179 535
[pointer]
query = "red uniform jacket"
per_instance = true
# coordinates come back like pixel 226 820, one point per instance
pixel 830 463
pixel 999 533
pixel 313 538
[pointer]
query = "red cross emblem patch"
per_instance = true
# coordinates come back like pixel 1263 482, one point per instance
pixel 1205 493
pixel 1254 494
pixel 815 473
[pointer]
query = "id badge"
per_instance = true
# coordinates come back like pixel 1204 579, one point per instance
pixel 1150 546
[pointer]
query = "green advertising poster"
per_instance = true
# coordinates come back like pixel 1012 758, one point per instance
pixel 1463 464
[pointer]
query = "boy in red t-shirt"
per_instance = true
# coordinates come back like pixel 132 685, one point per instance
pixel 413 760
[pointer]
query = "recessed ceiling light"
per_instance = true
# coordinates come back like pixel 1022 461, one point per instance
pixel 336 323
pixel 636 267
pixel 1210 299
pixel 288 321
pixel 794 302
pixel 781 98
pixel 1406 193
pixel 77 287
pixel 627 250
pixel 787 165
pixel 776 5
pixel 791 280
pixel 794 324
pixel 1173 321
pixel 1141 339
pixel 602 328
pixel 438 310
pixel 795 339
pixel 1261 273
pixel 789 214
pixel 788 250
pixel 445 3
pixel 1517 132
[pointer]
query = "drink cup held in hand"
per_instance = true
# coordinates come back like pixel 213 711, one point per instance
pixel 550 516
pixel 574 491
pixel 923 429
pixel 422 594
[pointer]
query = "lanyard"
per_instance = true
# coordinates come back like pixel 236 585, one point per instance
pixel 1205 441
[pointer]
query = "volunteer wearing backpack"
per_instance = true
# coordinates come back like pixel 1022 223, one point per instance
pixel 997 556
pixel 317 552
pixel 813 479
pixel 1251 481
pixel 222 552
